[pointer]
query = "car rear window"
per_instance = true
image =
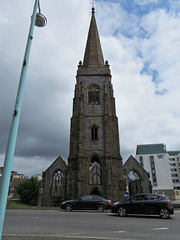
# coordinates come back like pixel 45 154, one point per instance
pixel 138 198
pixel 86 198
pixel 153 197
pixel 96 198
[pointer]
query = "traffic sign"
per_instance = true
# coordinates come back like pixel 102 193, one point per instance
pixel 126 195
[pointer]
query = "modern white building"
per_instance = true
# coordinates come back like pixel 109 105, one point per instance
pixel 174 163
pixel 155 160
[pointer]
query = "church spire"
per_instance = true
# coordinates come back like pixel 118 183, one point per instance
pixel 93 56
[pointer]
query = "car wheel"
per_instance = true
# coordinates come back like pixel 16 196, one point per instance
pixel 122 212
pixel 164 213
pixel 101 208
pixel 68 207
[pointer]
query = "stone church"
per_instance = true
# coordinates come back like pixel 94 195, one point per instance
pixel 94 162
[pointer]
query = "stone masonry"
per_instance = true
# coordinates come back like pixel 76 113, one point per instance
pixel 101 151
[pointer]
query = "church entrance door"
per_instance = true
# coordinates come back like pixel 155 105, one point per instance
pixel 95 191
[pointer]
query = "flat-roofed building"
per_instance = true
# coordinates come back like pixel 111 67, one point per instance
pixel 174 164
pixel 155 160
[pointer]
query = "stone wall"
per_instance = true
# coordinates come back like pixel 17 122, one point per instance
pixel 132 164
pixel 46 197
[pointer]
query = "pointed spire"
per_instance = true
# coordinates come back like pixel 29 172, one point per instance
pixel 93 56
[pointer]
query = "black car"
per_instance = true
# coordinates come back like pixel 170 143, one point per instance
pixel 144 204
pixel 92 202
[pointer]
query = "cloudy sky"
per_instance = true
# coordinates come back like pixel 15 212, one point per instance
pixel 141 41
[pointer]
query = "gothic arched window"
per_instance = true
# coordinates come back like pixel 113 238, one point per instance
pixel 95 171
pixel 57 183
pixel 93 95
pixel 133 175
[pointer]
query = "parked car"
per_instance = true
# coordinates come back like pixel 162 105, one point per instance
pixel 87 202
pixel 144 204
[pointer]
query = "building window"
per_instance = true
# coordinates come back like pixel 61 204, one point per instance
pixel 94 133
pixel 172 164
pixel 57 183
pixel 174 175
pixel 154 182
pixel 141 161
pixel 95 171
pixel 175 180
pixel 93 95
pixel 153 171
pixel 133 175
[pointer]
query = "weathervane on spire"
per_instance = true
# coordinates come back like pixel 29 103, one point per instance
pixel 93 6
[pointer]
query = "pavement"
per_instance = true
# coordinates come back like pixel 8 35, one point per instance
pixel 176 203
pixel 47 225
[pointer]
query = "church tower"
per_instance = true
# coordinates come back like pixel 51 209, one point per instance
pixel 94 163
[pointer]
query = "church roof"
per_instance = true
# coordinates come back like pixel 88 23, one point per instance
pixel 93 56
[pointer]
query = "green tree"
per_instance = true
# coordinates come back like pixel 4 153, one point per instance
pixel 28 190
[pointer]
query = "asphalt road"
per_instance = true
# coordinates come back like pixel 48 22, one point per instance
pixel 55 224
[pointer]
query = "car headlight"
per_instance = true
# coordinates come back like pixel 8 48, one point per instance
pixel 115 203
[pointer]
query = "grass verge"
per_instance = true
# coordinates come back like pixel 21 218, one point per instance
pixel 16 203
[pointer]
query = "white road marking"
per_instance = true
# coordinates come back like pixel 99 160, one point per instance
pixel 157 229
pixel 58 236
pixel 105 238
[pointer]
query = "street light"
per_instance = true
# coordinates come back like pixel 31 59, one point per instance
pixel 39 20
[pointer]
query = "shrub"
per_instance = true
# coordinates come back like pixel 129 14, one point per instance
pixel 28 190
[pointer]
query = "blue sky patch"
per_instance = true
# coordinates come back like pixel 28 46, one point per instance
pixel 140 8
pixel 161 92
pixel 155 78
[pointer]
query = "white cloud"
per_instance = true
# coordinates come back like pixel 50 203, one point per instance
pixel 144 116
pixel 128 41
pixel 29 165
